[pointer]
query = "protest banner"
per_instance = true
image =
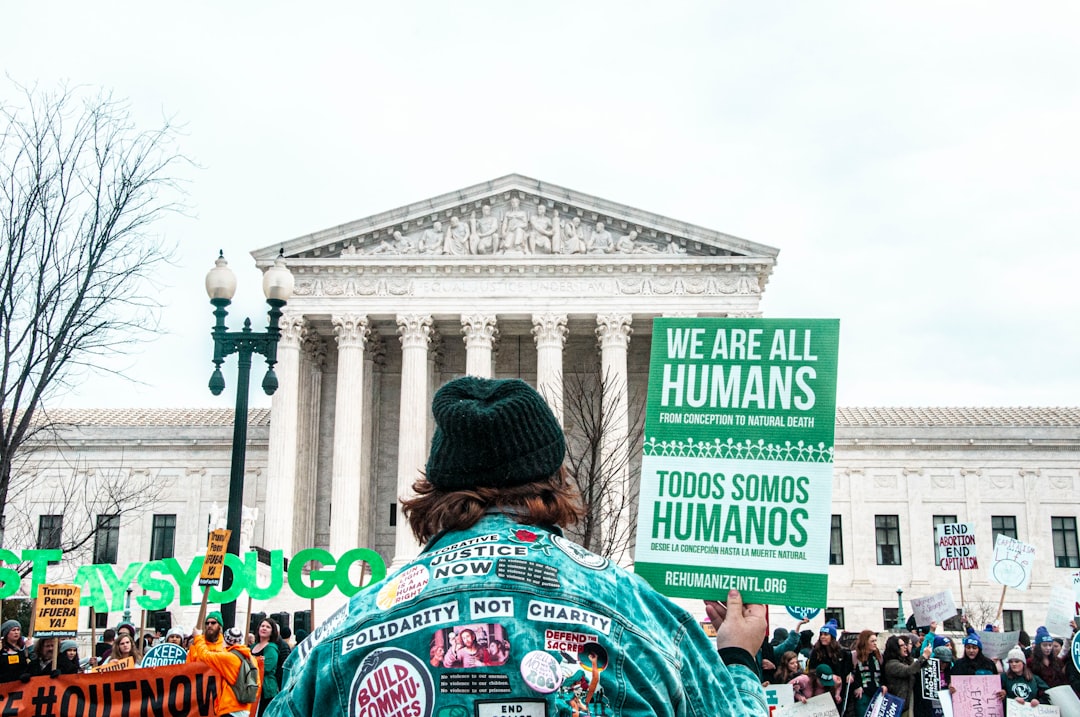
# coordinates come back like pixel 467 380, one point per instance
pixel 57 611
pixel 736 474
pixel 885 705
pixel 938 607
pixel 164 653
pixel 976 696
pixel 1059 611
pixel 127 663
pixel 945 700
pixel 929 684
pixel 820 706
pixel 708 627
pixel 104 590
pixel 956 546
pixel 1065 700
pixel 213 567
pixel 802 613
pixel 996 645
pixel 1075 577
pixel 179 691
pixel 777 697
pixel 1013 561
pixel 1016 709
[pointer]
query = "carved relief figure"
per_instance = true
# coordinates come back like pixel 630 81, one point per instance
pixel 541 231
pixel 515 223
pixel 431 241
pixel 573 237
pixel 601 241
pixel 485 231
pixel 626 244
pixel 456 242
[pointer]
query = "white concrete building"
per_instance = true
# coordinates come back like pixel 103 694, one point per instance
pixel 517 277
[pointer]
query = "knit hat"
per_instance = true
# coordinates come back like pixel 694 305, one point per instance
pixel 234 636
pixel 972 639
pixel 825 675
pixel 214 615
pixel 1016 654
pixel 301 635
pixel 1042 635
pixel 68 645
pixel 7 627
pixel 942 641
pixel 129 626
pixel 944 653
pixel 174 631
pixel 829 627
pixel 492 433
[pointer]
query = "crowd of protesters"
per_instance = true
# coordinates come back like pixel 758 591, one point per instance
pixel 854 675
pixel 22 659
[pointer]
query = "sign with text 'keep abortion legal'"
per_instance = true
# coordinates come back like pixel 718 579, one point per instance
pixel 737 465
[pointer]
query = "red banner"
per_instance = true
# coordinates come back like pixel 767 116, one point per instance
pixel 187 690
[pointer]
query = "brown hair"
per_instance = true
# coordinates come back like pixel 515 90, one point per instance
pixel 552 501
pixel 862 646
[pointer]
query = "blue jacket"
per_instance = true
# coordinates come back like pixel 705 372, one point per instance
pixel 509 619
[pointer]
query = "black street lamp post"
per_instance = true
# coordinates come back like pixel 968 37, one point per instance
pixel 221 287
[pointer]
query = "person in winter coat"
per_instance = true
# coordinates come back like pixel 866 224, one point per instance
pixel 68 661
pixel 1018 681
pixel 1044 664
pixel 900 668
pixel 974 662
pixel 827 651
pixel 13 658
pixel 266 647
pixel 867 663
pixel 225 661
pixel 818 681
pixel 41 661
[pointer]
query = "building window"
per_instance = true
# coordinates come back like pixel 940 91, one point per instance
pixel 163 537
pixel 1066 550
pixel 1003 525
pixel 100 620
pixel 888 617
pixel 836 543
pixel 1012 620
pixel 106 539
pixel 835 613
pixel 955 623
pixel 940 520
pixel 888 539
pixel 50 532
pixel 393 515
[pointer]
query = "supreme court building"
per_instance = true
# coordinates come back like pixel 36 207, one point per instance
pixel 520 278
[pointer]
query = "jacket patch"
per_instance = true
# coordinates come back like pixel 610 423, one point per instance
pixel 541 672
pixel 569 642
pixel 468 646
pixel 550 612
pixel 511 708
pixel 535 541
pixel 474 683
pixel 578 554
pixel 491 607
pixel 391 682
pixel 403 588
pixel 489 538
pixel 480 551
pixel 464 569
pixel 400 626
pixel 528 571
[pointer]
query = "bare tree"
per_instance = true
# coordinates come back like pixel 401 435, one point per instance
pixel 90 502
pixel 606 472
pixel 80 190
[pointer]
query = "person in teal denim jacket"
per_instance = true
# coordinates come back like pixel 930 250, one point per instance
pixel 503 615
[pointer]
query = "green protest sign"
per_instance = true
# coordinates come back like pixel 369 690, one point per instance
pixel 736 472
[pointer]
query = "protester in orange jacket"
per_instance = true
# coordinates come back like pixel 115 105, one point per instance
pixel 224 657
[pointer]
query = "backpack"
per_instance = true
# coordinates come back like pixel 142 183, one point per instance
pixel 246 687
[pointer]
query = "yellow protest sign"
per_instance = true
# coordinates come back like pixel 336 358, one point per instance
pixel 125 664
pixel 57 611
pixel 214 565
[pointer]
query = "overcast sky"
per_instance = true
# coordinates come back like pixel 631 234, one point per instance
pixel 917 164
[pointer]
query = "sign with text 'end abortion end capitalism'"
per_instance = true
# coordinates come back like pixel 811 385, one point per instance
pixel 736 472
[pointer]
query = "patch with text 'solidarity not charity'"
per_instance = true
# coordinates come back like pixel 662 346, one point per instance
pixel 391 681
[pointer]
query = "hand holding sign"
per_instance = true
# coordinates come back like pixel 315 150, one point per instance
pixel 738 625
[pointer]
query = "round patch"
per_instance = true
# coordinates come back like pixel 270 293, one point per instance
pixel 404 587
pixel 391 682
pixel 541 672
pixel 578 554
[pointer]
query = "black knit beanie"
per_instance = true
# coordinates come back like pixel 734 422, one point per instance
pixel 492 433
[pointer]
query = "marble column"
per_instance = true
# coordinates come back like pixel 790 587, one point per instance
pixel 415 331
pixel 549 332
pixel 312 365
pixel 374 359
pixel 613 331
pixel 480 331
pixel 283 439
pixel 345 487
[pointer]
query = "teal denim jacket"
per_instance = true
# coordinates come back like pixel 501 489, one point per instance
pixel 506 619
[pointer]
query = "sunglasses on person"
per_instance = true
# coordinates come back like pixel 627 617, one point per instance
pixel 211 622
